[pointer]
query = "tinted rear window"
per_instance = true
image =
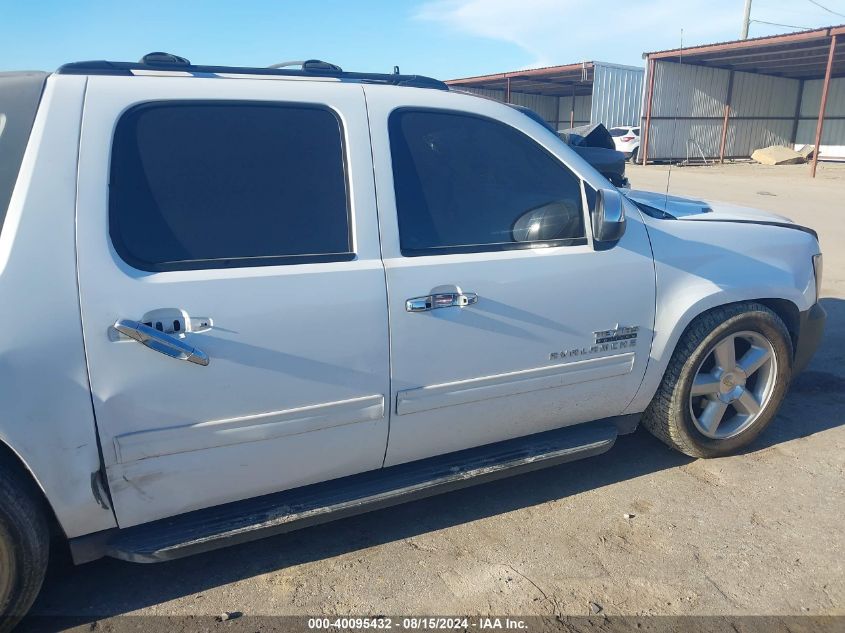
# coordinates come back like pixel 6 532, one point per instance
pixel 618 131
pixel 20 94
pixel 213 184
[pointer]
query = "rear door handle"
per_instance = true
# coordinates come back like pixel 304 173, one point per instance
pixel 161 342
pixel 449 297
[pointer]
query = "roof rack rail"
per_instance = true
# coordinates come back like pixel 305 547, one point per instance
pixel 164 62
pixel 158 57
pixel 313 65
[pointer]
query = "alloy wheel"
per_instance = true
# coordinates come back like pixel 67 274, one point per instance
pixel 733 385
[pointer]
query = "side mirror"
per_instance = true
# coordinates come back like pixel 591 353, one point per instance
pixel 552 221
pixel 608 216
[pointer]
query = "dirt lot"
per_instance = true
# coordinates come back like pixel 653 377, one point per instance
pixel 760 533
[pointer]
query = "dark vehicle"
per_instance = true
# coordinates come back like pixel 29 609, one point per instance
pixel 593 143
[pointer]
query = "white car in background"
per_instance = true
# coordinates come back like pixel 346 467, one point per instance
pixel 627 140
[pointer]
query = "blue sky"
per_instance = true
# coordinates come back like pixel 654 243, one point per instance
pixel 442 38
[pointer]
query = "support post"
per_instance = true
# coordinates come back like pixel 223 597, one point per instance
pixel 558 105
pixel 508 90
pixel 725 120
pixel 823 105
pixel 572 108
pixel 649 97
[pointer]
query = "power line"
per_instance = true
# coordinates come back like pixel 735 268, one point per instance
pixel 747 20
pixel 786 26
pixel 821 6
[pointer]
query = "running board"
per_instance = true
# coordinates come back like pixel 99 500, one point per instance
pixel 251 519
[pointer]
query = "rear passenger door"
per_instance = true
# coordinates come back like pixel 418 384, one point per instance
pixel 505 318
pixel 234 220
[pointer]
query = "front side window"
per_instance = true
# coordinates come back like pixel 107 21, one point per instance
pixel 468 184
pixel 216 184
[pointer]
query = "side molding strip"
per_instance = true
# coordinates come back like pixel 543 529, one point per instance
pixel 251 428
pixel 250 519
pixel 512 383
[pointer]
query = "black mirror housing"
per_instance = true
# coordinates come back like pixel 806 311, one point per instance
pixel 556 220
pixel 608 216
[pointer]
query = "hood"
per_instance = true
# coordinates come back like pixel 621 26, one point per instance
pixel 680 208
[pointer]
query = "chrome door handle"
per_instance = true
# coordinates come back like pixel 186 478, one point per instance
pixel 441 300
pixel 161 342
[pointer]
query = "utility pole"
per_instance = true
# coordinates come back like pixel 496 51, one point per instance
pixel 746 19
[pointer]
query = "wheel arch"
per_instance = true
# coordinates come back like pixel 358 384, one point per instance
pixel 662 351
pixel 786 310
pixel 10 458
pixel 788 313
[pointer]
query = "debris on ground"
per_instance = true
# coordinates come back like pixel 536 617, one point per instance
pixel 228 615
pixel 595 608
pixel 779 155
pixel 807 151
pixel 628 515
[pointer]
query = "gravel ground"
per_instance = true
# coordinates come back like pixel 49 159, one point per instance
pixel 756 534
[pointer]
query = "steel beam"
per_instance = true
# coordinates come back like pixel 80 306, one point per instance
pixel 819 47
pixel 651 65
pixel 535 72
pixel 774 40
pixel 823 105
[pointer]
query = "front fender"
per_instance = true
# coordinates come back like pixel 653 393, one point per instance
pixel 702 265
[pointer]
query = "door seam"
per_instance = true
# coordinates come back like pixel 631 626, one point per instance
pixel 633 399
pixel 390 407
pixel 103 476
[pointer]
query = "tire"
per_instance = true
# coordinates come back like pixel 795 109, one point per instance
pixel 689 421
pixel 634 155
pixel 24 545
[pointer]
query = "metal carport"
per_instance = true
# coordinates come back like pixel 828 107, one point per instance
pixel 568 95
pixel 728 99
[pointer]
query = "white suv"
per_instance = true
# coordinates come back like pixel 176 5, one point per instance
pixel 240 301
pixel 626 138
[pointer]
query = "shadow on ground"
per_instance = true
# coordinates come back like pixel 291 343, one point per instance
pixel 110 587
pixel 823 382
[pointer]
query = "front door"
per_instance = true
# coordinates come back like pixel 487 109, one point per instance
pixel 231 225
pixel 505 318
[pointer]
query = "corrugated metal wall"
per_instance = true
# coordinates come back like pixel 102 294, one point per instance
pixel 688 109
pixel 580 106
pixel 616 99
pixel 546 107
pixel 695 93
pixel 498 95
pixel 617 94
pixel 833 134
pixel 760 96
pixel 555 110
